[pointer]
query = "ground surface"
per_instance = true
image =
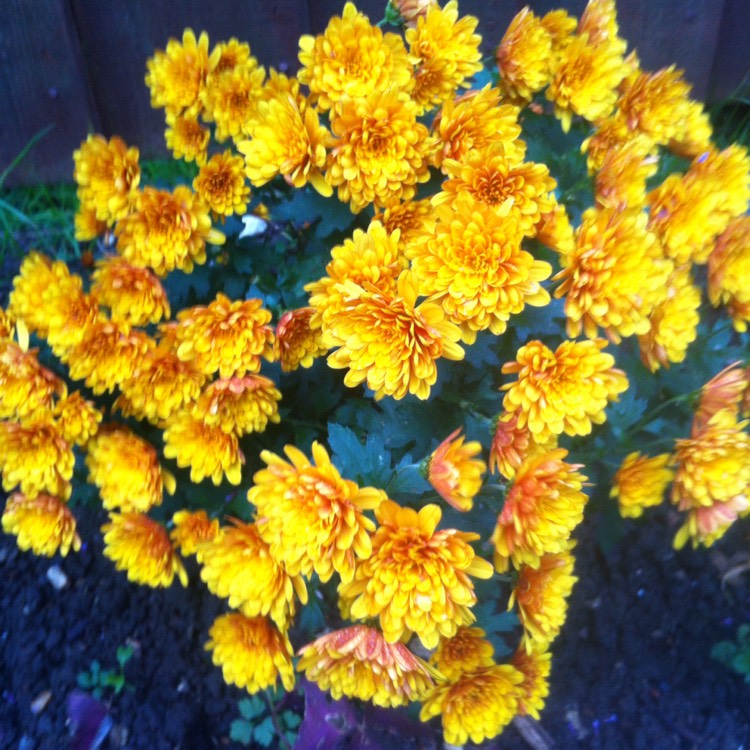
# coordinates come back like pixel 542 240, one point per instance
pixel 631 668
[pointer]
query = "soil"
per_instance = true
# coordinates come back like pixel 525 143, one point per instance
pixel 631 669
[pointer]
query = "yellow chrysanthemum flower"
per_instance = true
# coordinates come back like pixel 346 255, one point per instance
pixel 473 122
pixel 297 343
pixel 466 651
pixel 177 76
pixel 608 135
pixel 228 337
pixel 205 448
pixel 371 257
pixel 77 418
pixel 455 472
pixel 696 133
pixel 312 519
pixel 602 279
pixel 221 184
pixel 440 35
pixel 167 231
pixel 107 174
pixel 516 190
pixel 25 386
pixel 472 260
pixel 433 84
pixel 238 566
pixel 357 662
pixel 674 322
pixel 524 57
pixel 187 139
pixel 561 27
pixel 239 404
pixel 37 273
pixel 86 226
pixel 7 324
pixel 640 482
pixel 599 22
pixel 541 510
pixel 389 341
pixel 351 60
pixel 381 154
pixel 134 295
pixel 109 354
pixel 191 530
pixel 706 525
pixel 251 652
pixel 42 524
pixel 512 445
pixel 624 172
pixel 562 391
pixel 585 80
pixel 409 218
pixel 535 666
pixel 541 595
pixel 478 705
pixel 729 271
pixel 140 546
pixel 417 578
pixel 228 56
pixel 36 458
pixel 287 139
pixel 724 392
pixel 126 469
pixel 555 230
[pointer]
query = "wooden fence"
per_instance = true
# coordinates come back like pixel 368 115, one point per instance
pixel 78 65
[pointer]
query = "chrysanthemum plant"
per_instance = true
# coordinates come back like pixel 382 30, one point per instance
pixel 465 292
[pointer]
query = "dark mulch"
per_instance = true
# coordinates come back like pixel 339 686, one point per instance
pixel 631 668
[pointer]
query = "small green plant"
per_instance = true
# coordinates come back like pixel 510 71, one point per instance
pixel 98 680
pixel 735 654
pixel 260 723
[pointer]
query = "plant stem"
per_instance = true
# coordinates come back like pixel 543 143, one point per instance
pixel 283 742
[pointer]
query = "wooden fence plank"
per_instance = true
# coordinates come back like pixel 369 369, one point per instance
pixel 731 65
pixel 41 84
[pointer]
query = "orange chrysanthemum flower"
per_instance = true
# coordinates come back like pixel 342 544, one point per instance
pixel 134 295
pixel 358 662
pixel 36 458
pixel 42 524
pixel 167 231
pixel 381 154
pixel 312 518
pixel 729 271
pixel 238 566
pixel 232 98
pixel 191 530
pixel 524 57
pixel 467 651
pixel 287 139
pixel 25 386
pixel 239 405
pixel 107 174
pixel 221 184
pixel 297 343
pixel 417 578
pixel 562 391
pixel 640 482
pixel 351 60
pixel 454 471
pixel 177 76
pixel 541 510
pixel 674 322
pixel 478 705
pixel 187 139
pixel 109 354
pixel 599 22
pixel 370 257
pixel 541 594
pixel 473 262
pixel 126 469
pixel 408 11
pixel 474 122
pixel 228 337
pixel 251 652
pixel 602 279
pixel 535 666
pixel 409 218
pixel 724 392
pixel 512 445
pixel 391 342
pixel 140 546
pixel 520 191
pixel 77 418
pixel 205 448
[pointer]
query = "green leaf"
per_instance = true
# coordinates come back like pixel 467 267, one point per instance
pixel 84 680
pixel 124 654
pixel 264 732
pixel 407 479
pixel 241 731
pixel 251 708
pixel 291 719
pixel 367 464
